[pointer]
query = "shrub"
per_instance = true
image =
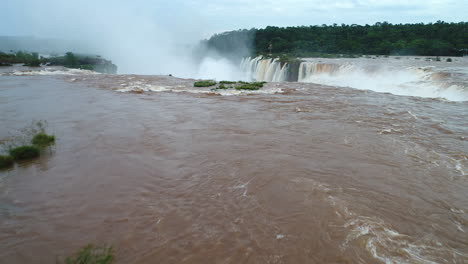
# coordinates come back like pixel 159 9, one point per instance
pixel 43 140
pixel 88 67
pixel 227 82
pixel 24 152
pixel 92 255
pixel 248 86
pixel 449 60
pixel 5 161
pixel 204 83
pixel 33 63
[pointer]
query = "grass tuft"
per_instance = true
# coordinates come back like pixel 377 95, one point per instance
pixel 92 255
pixel 43 140
pixel 5 161
pixel 24 152
pixel 204 83
pixel 251 86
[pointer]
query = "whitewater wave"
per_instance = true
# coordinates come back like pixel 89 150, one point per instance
pixel 141 87
pixel 49 71
pixel 377 237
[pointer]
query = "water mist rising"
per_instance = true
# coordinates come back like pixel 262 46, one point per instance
pixel 134 38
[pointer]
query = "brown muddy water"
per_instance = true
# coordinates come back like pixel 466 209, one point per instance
pixel 298 173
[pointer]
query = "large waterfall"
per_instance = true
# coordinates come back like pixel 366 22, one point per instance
pixel 411 76
pixel 308 69
pixel 261 69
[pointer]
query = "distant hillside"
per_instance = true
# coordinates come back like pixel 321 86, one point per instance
pixel 40 45
pixel 436 39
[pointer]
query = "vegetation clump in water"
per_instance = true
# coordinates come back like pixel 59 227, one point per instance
pixel 24 152
pixel 92 255
pixel 240 85
pixel 204 83
pixel 251 86
pixel 5 161
pixel 25 144
pixel 43 140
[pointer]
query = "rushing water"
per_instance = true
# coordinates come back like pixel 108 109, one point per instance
pixel 293 173
pixel 269 70
pixel 414 76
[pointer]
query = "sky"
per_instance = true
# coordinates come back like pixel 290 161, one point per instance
pixel 201 18
pixel 156 29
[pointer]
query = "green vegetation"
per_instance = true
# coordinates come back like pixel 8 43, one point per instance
pixel 69 60
pixel 24 152
pixel 43 140
pixel 84 62
pixel 251 86
pixel 92 255
pixel 222 86
pixel 28 59
pixel 227 82
pixel 25 144
pixel 5 161
pixel 432 39
pixel 35 63
pixel 232 44
pixel 204 83
pixel 240 85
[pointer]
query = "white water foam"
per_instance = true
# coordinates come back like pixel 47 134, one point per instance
pixel 139 87
pixel 50 71
pixel 260 69
pixel 410 78
pixel 410 81
pixel 381 241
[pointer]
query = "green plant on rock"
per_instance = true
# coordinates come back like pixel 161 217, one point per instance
pixel 5 161
pixel 43 140
pixel 204 83
pixel 24 152
pixel 248 87
pixel 227 82
pixel 92 255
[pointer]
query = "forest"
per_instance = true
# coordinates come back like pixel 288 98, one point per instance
pixel 69 60
pixel 382 38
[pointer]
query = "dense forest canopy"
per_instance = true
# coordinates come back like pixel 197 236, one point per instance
pixel 433 39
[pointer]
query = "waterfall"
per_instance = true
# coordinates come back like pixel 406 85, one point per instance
pixel 260 69
pixel 307 69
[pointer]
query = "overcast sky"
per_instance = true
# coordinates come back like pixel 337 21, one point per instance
pixel 201 18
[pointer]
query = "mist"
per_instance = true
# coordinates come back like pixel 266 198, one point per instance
pixel 140 38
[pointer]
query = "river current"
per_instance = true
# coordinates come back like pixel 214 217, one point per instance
pixel 296 172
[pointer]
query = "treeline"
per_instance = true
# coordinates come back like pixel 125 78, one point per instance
pixel 433 39
pixel 232 44
pixel 28 59
pixel 69 60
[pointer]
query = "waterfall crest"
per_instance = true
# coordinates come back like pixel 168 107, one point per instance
pixel 262 69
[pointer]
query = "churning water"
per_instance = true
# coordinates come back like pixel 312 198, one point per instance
pixel 413 76
pixel 296 172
